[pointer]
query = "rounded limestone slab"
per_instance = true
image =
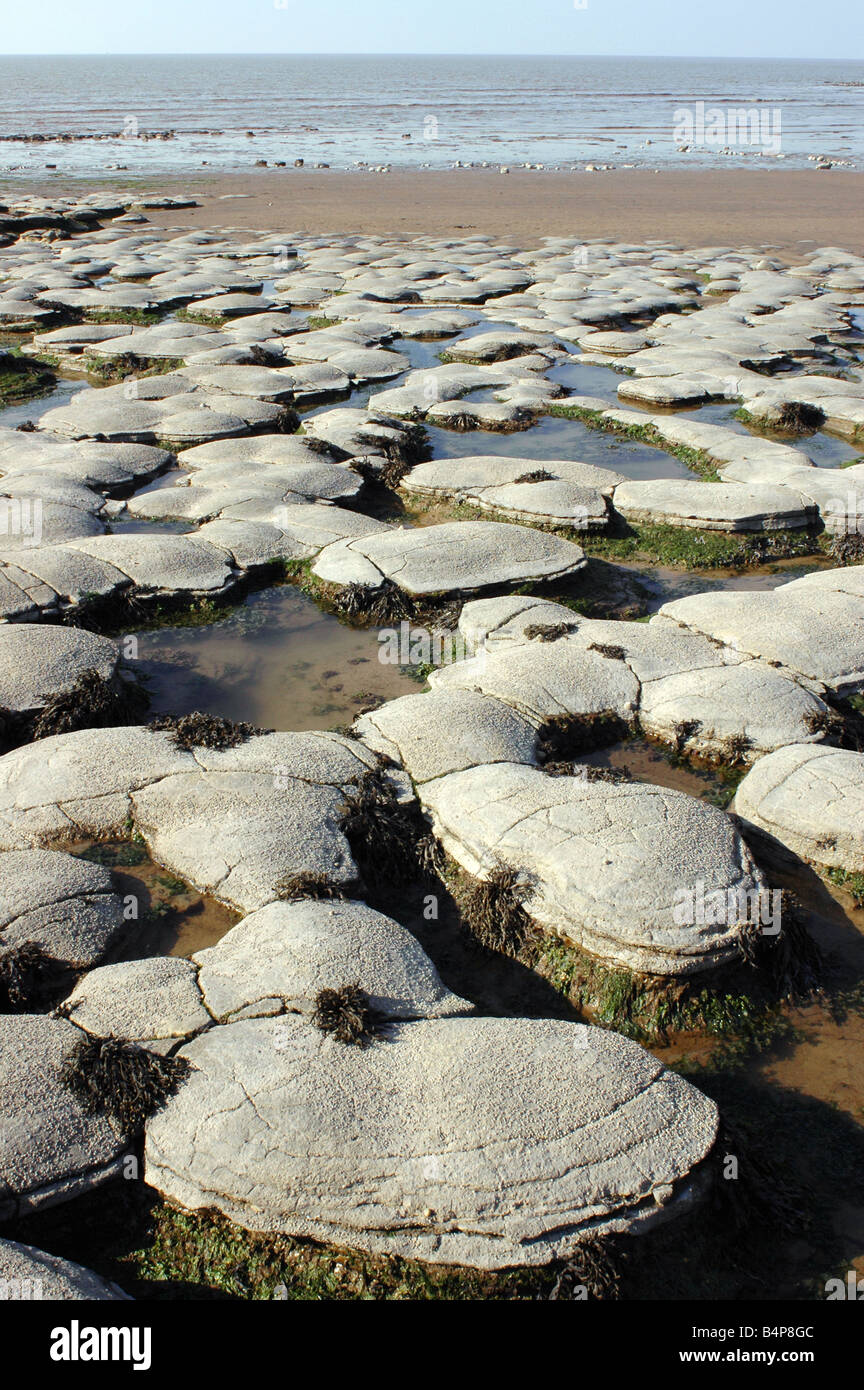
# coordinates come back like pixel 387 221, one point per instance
pixel 291 530
pixel 714 506
pixel 142 1001
pixel 152 562
pixel 281 956
pixel 540 680
pixel 751 700
pixel 454 556
pixel 264 383
pixel 446 731
pixel 90 462
pixel 31 1274
pixel 50 1148
pixel 607 863
pixel 79 784
pixel 814 629
pixel 50 577
pixel 67 906
pixel 39 662
pixel 499 346
pixel 523 1136
pixel 251 816
pixel 255 450
pixel 42 522
pixel 811 799
pixel 569 492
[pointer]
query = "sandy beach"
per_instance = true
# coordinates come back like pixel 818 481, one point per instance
pixel 453 645
pixel 694 208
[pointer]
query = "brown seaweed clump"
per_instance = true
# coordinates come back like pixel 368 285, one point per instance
pixel 91 703
pixel 493 909
pixel 296 887
pixel 198 730
pixel 389 839
pixel 31 979
pixel 122 1080
pixel 348 1016
pixel 537 475
pixel 375 605
pixel 549 632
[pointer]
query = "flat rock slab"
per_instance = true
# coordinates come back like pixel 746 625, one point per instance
pixel 161 562
pixel 281 957
pixel 51 577
pixel 816 630
pixel 53 524
pixel 258 450
pixel 811 799
pixel 212 493
pixel 235 835
pixel 31 1274
pixel 91 462
pixel 50 1149
pixel 252 816
pixel 458 555
pixel 37 662
pixel 540 680
pixel 753 701
pixel 270 383
pixel 571 493
pixel 357 433
pixel 67 906
pixel 498 346
pixel 79 785
pixel 232 822
pixel 144 1001
pixel 160 409
pixel 293 530
pixel 649 651
pixel 607 862
pixel 446 731
pixel 714 506
pixel 525 1136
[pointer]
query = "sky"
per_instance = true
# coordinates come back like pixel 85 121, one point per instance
pixel 686 28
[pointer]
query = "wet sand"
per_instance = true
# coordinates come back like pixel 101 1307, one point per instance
pixel 767 206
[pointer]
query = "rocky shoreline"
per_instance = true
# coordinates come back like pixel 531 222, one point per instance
pixel 283 403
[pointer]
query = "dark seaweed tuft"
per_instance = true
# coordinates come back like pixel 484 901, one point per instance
pixel 198 730
pixel 348 1016
pixel 493 909
pixel 122 1080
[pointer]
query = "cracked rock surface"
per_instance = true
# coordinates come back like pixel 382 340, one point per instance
pixel 456 1140
pixel 603 863
pixel 66 905
pixel 811 799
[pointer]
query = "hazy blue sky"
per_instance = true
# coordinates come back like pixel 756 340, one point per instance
pixel 734 28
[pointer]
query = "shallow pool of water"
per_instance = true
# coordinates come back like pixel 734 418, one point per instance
pixel 555 437
pixel 173 919
pixel 20 414
pixel 275 660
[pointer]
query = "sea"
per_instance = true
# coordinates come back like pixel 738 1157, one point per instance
pixel 179 114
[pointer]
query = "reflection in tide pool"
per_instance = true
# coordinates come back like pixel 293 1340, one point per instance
pixel 555 437
pixel 275 660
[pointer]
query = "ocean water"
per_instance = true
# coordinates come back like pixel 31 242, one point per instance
pixel 415 111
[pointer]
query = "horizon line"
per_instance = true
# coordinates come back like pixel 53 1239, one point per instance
pixel 405 53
